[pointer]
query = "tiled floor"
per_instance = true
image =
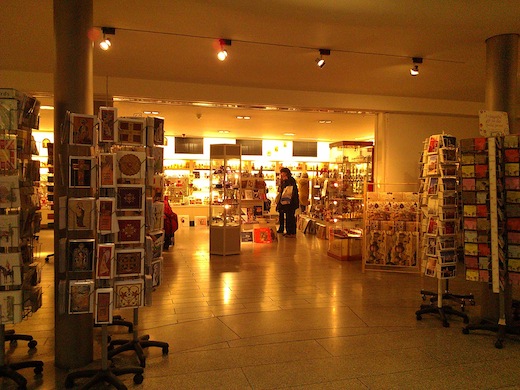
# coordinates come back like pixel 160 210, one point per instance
pixel 285 315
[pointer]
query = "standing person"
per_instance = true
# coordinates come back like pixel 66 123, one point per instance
pixel 171 225
pixel 303 189
pixel 289 201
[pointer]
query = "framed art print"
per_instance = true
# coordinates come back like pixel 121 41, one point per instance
pixel 131 131
pixel 131 230
pixel 80 172
pixel 10 269
pixel 107 170
pixel 80 213
pixel 81 255
pixel 106 215
pixel 107 117
pixel 129 294
pixel 9 192
pixel 8 153
pixel 82 129
pixel 131 165
pixel 155 131
pixel 105 261
pixel 130 198
pixel 81 297
pixel 129 262
pixel 104 306
pixel 11 307
pixel 10 230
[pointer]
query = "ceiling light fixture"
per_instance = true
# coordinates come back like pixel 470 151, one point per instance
pixel 106 43
pixel 247 117
pixel 289 134
pixel 324 121
pixel 414 70
pixel 223 131
pixel 320 62
pixel 222 54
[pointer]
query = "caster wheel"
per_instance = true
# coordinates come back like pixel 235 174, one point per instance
pixel 165 351
pixel 465 331
pixel 32 344
pixel 466 320
pixel 499 344
pixel 38 370
pixel 418 317
pixel 446 324
pixel 69 383
pixel 13 343
pixel 138 379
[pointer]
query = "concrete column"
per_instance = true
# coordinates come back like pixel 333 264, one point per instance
pixel 502 76
pixel 501 95
pixel 73 91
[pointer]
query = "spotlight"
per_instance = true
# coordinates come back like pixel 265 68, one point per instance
pixel 320 62
pixel 106 43
pixel 222 54
pixel 414 70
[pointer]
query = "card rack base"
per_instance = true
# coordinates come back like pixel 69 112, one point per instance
pixel 13 338
pixel 136 345
pixel 109 376
pixel 120 321
pixel 461 299
pixel 443 313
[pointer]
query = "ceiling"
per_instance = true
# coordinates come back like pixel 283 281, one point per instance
pixel 274 47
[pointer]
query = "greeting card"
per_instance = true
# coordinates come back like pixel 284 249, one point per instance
pixel 10 269
pixel 129 293
pixel 9 230
pixel 8 161
pixel 129 262
pixel 80 172
pixel 131 131
pixel 157 272
pixel 107 175
pixel 81 255
pixel 131 230
pixel 81 213
pixel 80 296
pixel 131 165
pixel 11 307
pixel 107 117
pixel 104 305
pixel 155 131
pixel 130 198
pixel 107 220
pixel 82 129
pixel 105 261
pixel 9 191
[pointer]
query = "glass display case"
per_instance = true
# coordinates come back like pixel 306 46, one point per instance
pixel 350 175
pixel 225 193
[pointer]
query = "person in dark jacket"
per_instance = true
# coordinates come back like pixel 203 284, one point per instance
pixel 288 202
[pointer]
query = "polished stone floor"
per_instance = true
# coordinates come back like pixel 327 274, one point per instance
pixel 285 315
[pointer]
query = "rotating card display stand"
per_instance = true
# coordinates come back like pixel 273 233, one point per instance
pixel 501 265
pixel 440 226
pixel 128 202
pixel 19 293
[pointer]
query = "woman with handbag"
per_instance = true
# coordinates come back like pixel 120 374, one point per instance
pixel 288 202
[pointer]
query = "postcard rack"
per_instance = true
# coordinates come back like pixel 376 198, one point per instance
pixel 491 197
pixel 114 221
pixel 440 226
pixel 20 294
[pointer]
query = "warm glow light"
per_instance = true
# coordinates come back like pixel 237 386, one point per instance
pixel 288 134
pixel 105 44
pixel 414 71
pixel 222 55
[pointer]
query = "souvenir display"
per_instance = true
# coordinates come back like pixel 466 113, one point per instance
pixel 108 117
pixel 83 129
pixel 81 213
pixel 104 304
pixel 81 296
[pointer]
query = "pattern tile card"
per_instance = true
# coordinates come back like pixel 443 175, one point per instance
pixel 81 298
pixel 155 131
pixel 107 170
pixel 131 131
pixel 81 255
pixel 83 129
pixel 129 294
pixel 129 262
pixel 80 172
pixel 8 162
pixel 107 219
pixel 131 165
pixel 9 192
pixel 104 306
pixel 156 271
pixel 105 261
pixel 10 269
pixel 131 230
pixel 11 306
pixel 130 197
pixel 81 213
pixel 9 230
pixel 108 117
